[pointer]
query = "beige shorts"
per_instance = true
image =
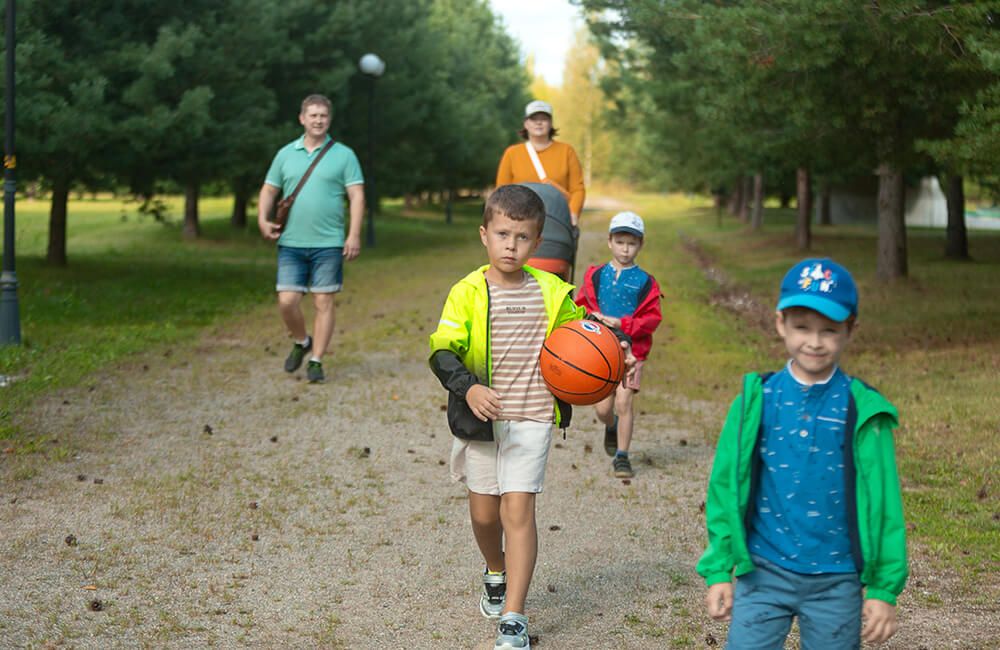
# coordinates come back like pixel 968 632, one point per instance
pixel 514 461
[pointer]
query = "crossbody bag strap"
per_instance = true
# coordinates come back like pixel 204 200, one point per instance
pixel 535 161
pixel 305 177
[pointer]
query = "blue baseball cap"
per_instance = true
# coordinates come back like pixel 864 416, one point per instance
pixel 821 285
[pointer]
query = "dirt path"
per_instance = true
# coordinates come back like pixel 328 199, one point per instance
pixel 215 501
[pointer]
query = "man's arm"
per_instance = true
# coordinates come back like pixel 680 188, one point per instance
pixel 265 201
pixel 356 198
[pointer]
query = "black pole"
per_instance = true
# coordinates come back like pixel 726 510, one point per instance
pixel 370 176
pixel 10 322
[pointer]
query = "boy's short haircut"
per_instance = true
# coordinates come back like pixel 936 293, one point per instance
pixel 518 202
pixel 317 100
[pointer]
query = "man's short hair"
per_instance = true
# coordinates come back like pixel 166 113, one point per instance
pixel 316 99
pixel 518 202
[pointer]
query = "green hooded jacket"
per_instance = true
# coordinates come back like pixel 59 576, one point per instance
pixel 875 509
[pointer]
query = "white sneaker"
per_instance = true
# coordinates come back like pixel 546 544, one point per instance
pixel 494 594
pixel 512 632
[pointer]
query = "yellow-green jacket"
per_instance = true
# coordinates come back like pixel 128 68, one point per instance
pixel 460 346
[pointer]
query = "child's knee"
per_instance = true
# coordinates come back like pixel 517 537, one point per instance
pixel 517 510
pixel 623 399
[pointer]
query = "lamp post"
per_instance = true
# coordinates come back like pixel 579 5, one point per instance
pixel 372 66
pixel 10 324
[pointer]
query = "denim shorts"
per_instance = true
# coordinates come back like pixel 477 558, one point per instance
pixel 319 270
pixel 766 599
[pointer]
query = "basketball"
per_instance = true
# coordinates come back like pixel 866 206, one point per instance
pixel 582 362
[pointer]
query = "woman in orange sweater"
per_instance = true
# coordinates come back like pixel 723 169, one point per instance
pixel 557 165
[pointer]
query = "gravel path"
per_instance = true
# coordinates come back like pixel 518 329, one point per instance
pixel 214 501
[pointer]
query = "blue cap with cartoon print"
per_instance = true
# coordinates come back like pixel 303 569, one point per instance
pixel 821 285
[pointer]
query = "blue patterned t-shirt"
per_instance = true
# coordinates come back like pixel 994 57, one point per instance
pixel 618 292
pixel 800 520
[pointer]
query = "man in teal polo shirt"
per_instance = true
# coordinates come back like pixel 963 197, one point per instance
pixel 312 246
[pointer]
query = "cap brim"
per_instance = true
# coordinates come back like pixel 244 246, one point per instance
pixel 832 310
pixel 631 231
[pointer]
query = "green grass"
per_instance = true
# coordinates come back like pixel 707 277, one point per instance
pixel 133 284
pixel 930 343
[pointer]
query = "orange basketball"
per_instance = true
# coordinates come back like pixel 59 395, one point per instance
pixel 582 362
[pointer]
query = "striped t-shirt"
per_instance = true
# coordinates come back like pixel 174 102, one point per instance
pixel 517 331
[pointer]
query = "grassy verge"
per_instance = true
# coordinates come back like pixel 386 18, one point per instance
pixel 133 284
pixel 929 343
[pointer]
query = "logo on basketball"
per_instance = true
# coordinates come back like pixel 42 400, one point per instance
pixel 582 362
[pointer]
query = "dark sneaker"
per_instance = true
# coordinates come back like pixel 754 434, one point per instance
pixel 297 354
pixel 494 594
pixel 512 632
pixel 611 438
pixel 622 466
pixel 314 372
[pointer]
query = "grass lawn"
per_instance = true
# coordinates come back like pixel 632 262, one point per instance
pixel 930 343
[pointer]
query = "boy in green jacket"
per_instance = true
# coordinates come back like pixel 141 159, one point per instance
pixel 803 504
pixel 485 353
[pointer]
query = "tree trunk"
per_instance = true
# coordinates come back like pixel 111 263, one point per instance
pixel 57 223
pixel 240 200
pixel 825 218
pixel 735 199
pixel 891 264
pixel 957 242
pixel 803 218
pixel 447 206
pixel 745 189
pixel 785 198
pixel 757 214
pixel 191 228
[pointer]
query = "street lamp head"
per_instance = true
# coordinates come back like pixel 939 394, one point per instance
pixel 371 64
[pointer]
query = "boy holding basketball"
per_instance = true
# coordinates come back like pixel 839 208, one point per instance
pixel 622 295
pixel 803 502
pixel 485 353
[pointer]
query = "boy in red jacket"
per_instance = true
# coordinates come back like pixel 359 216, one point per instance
pixel 622 295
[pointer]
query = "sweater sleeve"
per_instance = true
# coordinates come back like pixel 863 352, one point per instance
pixel 575 187
pixel 505 171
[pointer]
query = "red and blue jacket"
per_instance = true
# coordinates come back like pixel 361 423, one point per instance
pixel 643 321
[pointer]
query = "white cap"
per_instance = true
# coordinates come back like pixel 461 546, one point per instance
pixel 538 106
pixel 628 222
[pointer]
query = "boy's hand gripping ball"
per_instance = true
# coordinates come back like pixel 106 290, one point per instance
pixel 582 362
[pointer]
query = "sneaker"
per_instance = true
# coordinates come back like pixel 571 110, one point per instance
pixel 623 468
pixel 494 594
pixel 297 354
pixel 314 372
pixel 611 438
pixel 512 632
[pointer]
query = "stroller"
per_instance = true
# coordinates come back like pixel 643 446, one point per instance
pixel 559 235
